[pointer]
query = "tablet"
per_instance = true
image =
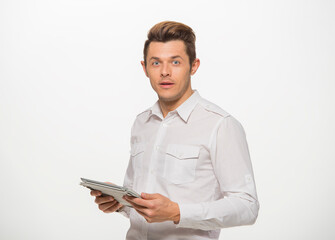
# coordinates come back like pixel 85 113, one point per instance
pixel 109 189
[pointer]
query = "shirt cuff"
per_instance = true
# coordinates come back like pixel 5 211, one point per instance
pixel 188 214
pixel 124 211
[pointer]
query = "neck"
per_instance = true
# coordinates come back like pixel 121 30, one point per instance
pixel 167 107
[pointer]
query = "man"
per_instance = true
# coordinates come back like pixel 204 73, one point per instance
pixel 189 158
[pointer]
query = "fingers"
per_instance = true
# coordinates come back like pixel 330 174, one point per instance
pixel 101 200
pixel 150 215
pixel 137 207
pixel 155 208
pixel 110 183
pixel 110 206
pixel 95 193
pixel 149 196
pixel 148 219
pixel 141 209
pixel 107 204
pixel 140 202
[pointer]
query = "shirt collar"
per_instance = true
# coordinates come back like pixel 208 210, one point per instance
pixel 184 110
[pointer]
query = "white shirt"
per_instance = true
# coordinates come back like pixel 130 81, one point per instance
pixel 198 157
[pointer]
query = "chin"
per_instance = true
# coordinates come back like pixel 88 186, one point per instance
pixel 167 97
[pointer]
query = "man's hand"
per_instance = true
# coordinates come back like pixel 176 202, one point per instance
pixel 107 204
pixel 155 207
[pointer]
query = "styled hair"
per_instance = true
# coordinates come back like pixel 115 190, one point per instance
pixel 169 30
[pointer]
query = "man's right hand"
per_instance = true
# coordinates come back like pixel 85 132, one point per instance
pixel 107 204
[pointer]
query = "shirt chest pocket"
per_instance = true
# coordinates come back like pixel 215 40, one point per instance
pixel 137 152
pixel 180 163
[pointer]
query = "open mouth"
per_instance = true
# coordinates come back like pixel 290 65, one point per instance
pixel 166 83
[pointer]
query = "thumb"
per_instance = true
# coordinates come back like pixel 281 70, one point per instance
pixel 149 196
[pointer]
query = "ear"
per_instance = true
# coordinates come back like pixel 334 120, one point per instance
pixel 195 66
pixel 144 68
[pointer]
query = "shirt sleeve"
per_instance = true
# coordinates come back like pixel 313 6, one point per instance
pixel 232 166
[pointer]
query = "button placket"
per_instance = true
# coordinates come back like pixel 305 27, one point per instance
pixel 155 156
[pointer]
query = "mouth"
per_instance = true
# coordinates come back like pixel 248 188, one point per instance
pixel 166 84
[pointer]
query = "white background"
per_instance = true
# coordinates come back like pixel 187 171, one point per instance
pixel 71 86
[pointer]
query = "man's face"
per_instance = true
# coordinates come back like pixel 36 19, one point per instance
pixel 169 70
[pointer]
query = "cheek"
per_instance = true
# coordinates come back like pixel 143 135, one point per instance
pixel 183 70
pixel 183 75
pixel 153 82
pixel 153 73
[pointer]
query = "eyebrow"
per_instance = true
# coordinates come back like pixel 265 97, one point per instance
pixel 173 57
pixel 177 56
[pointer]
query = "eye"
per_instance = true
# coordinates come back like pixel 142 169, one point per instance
pixel 176 62
pixel 155 63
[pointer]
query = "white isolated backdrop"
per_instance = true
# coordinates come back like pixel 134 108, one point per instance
pixel 71 86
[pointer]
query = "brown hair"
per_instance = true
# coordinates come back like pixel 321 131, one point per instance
pixel 169 30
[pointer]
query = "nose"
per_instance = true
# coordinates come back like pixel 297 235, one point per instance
pixel 165 71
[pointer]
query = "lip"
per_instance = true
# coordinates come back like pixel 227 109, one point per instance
pixel 166 84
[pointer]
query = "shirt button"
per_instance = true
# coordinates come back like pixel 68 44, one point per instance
pixel 165 125
pixel 157 147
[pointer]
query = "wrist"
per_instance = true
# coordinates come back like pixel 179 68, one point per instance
pixel 176 216
pixel 120 208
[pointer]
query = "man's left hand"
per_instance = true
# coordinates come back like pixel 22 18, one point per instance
pixel 155 207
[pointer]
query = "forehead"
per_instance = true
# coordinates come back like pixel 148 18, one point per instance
pixel 167 49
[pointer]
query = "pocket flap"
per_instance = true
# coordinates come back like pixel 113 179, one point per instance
pixel 136 149
pixel 183 151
